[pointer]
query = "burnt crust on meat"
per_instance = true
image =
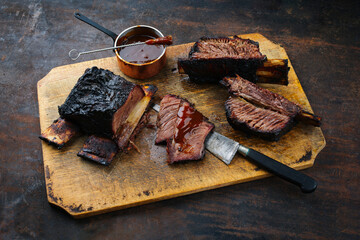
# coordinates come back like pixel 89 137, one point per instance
pixel 95 98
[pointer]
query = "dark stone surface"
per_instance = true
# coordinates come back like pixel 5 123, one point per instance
pixel 323 42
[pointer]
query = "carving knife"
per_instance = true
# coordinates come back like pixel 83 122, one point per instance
pixel 225 149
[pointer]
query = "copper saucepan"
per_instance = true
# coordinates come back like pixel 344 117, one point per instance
pixel 134 70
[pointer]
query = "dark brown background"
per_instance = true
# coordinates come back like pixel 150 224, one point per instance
pixel 322 41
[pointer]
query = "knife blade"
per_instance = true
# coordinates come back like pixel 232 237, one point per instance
pixel 225 149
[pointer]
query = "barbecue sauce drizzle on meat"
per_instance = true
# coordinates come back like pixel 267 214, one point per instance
pixel 190 121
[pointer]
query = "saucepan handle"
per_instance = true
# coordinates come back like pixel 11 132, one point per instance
pixel 95 25
pixel 306 183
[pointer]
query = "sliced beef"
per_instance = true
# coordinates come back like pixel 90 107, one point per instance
pixel 266 99
pixel 262 122
pixel 95 99
pixel 211 59
pixel 167 116
pixel 59 132
pixel 191 130
pixel 99 149
pixel 260 96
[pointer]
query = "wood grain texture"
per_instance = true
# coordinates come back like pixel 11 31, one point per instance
pixel 83 188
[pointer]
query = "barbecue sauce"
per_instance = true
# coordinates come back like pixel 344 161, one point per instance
pixel 167 40
pixel 190 121
pixel 140 54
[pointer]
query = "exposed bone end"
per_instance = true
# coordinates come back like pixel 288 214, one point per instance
pixel 149 90
pixel 180 68
pixel 309 118
pixel 273 71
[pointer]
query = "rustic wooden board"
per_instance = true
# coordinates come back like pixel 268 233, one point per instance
pixel 83 188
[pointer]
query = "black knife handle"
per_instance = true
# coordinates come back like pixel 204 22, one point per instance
pixel 306 183
pixel 96 25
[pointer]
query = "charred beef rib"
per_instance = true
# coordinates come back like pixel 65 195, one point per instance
pixel 211 59
pixel 106 106
pixel 261 111
pixel 267 99
pixel 183 128
pixel 98 97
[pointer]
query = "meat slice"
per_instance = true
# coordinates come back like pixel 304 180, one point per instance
pixel 211 59
pixel 59 132
pixel 96 97
pixel 189 136
pixel 167 116
pixel 262 97
pixel 262 122
pixel 98 149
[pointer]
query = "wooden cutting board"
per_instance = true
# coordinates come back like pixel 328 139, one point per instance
pixel 84 188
